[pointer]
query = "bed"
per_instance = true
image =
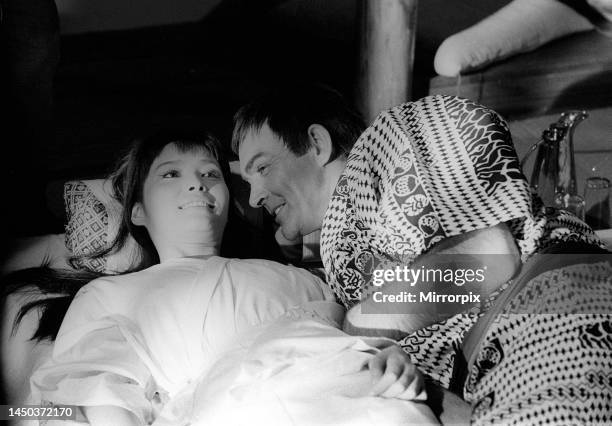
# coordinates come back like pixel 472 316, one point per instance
pixel 54 249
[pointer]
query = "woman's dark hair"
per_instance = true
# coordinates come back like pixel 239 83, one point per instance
pixel 58 288
pixel 128 180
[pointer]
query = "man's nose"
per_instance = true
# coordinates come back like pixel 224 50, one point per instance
pixel 257 196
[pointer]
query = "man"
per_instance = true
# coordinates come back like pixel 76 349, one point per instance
pixel 292 154
pixel 435 176
pixel 293 147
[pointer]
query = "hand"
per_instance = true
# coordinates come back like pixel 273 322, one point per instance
pixel 395 376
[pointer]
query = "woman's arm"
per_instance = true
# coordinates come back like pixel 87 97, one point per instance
pixel 31 252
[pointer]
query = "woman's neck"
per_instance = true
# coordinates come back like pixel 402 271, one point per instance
pixel 192 250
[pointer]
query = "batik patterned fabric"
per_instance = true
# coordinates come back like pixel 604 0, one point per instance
pixel 545 353
pixel 422 172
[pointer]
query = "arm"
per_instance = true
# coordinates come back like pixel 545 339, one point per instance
pixel 405 318
pixel 447 406
pixel 37 251
pixel 395 376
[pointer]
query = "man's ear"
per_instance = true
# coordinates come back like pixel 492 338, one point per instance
pixel 138 215
pixel 320 140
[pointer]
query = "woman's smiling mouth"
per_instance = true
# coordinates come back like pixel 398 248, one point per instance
pixel 197 203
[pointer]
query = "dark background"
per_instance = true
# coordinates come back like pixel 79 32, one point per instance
pixel 72 101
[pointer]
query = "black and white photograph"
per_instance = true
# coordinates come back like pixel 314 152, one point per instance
pixel 306 212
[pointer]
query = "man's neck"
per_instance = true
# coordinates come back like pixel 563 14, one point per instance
pixel 333 171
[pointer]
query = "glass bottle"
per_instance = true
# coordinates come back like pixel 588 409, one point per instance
pixel 554 173
pixel 597 199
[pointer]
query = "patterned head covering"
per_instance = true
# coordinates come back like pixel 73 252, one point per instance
pixel 432 169
pixel 424 171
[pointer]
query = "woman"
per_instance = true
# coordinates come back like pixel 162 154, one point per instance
pixel 201 339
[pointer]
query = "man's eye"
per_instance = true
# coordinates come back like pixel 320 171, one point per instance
pixel 262 170
pixel 170 174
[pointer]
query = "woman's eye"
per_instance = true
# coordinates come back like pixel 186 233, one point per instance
pixel 170 174
pixel 212 174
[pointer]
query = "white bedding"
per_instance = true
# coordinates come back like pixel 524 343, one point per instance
pixel 225 342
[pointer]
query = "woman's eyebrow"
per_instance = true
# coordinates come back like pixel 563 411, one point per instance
pixel 209 161
pixel 173 162
pixel 165 163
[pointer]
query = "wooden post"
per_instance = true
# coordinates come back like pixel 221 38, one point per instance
pixel 388 32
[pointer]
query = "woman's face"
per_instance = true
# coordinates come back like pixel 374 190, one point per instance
pixel 185 198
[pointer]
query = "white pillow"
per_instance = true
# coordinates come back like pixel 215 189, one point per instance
pixel 520 26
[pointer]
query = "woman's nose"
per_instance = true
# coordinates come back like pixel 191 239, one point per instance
pixel 197 184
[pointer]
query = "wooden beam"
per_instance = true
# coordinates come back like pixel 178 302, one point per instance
pixel 388 32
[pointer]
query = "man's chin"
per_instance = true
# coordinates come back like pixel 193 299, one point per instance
pixel 290 235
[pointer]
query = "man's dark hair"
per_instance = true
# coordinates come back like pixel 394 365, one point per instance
pixel 289 111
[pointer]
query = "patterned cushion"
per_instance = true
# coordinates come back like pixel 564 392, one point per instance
pixel 93 218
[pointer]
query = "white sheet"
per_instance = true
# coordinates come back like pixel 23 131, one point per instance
pixel 220 341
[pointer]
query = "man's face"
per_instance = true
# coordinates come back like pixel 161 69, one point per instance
pixel 288 186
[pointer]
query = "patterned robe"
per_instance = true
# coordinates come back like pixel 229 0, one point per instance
pixel 431 169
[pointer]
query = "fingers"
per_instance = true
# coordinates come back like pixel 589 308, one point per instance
pixel 377 367
pixel 415 391
pixel 407 385
pixel 395 376
pixel 388 379
pixel 386 367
